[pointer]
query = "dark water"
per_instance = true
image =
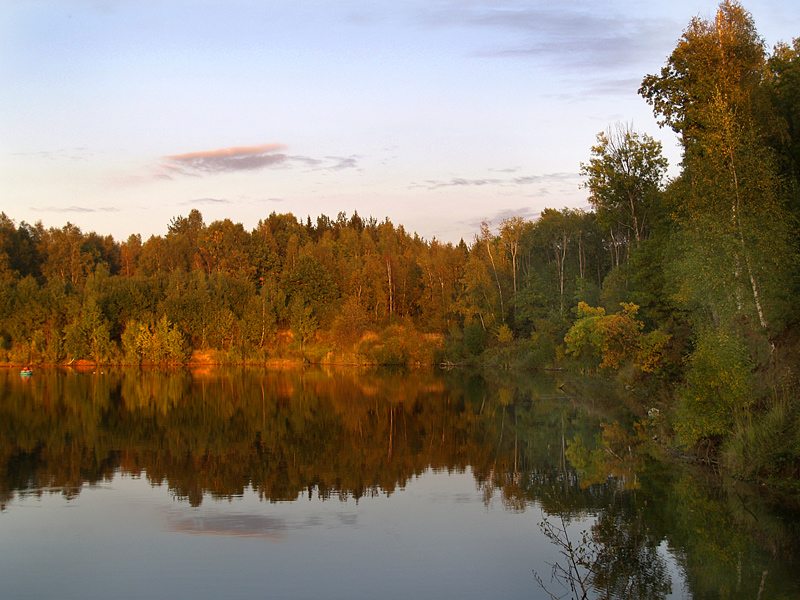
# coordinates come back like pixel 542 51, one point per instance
pixel 357 483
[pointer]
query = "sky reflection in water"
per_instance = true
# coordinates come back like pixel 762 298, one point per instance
pixel 358 484
pixel 128 539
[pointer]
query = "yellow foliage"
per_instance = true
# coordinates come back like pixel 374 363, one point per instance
pixel 615 339
pixel 505 335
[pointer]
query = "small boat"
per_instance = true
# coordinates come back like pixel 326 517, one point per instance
pixel 26 372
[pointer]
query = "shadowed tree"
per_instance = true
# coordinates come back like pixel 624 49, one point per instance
pixel 730 205
pixel 129 255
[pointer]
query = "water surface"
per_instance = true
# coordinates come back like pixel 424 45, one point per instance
pixel 355 483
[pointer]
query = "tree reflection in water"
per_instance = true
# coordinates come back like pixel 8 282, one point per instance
pixel 616 559
pixel 577 457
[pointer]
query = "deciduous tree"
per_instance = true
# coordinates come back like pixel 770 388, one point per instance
pixel 624 178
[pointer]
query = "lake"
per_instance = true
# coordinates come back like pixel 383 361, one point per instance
pixel 366 483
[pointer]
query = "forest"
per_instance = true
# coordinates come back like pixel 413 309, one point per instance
pixel 684 289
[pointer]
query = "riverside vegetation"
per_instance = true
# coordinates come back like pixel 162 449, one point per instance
pixel 685 290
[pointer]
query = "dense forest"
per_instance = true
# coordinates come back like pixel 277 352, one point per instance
pixel 684 288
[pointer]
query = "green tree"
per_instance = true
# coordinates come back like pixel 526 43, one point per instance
pixel 624 178
pixel 731 258
pixel 89 334
pixel 512 231
pixel 311 281
pixel 161 343
pixel 223 247
pixel 260 319
pixel 479 298
pixel 718 386
pixel 152 256
pixel 302 320
pixel 557 232
pixel 612 341
pixel 64 254
pixel 782 83
pixel 730 200
pixel 8 232
pixel 104 251
pixel 490 243
pixel 713 59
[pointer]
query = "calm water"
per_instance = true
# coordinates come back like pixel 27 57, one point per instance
pixel 363 484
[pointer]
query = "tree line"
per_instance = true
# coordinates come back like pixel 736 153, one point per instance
pixel 685 287
pixel 68 296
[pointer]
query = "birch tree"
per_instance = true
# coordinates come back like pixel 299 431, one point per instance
pixel 709 93
pixel 624 177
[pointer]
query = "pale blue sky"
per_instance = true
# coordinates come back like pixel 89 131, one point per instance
pixel 119 115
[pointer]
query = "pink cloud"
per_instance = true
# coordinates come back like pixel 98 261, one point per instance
pixel 242 158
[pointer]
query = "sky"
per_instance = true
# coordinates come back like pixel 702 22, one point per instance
pixel 119 115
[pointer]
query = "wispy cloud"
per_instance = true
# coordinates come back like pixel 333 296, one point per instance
pixel 207 201
pixel 223 201
pixel 242 158
pixel 328 163
pixel 73 209
pixel 526 212
pixel 546 178
pixel 340 163
pixel 494 220
pixel 432 184
pixel 582 35
pixel 80 154
pixel 307 161
pixel 246 158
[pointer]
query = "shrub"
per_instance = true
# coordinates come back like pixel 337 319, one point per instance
pixel 766 444
pixel 474 338
pixel 614 341
pixel 350 323
pixel 718 386
pixel 162 343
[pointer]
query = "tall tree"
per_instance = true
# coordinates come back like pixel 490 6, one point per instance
pixel 479 299
pixel 732 258
pixel 129 255
pixel 709 93
pixel 557 231
pixel 624 177
pixel 223 247
pixel 783 108
pixel 512 231
pixel 183 236
pixel 65 256
pixel 723 57
pixel 488 242
pixel 8 233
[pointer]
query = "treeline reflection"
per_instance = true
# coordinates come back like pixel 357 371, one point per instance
pixel 345 433
pixel 563 445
